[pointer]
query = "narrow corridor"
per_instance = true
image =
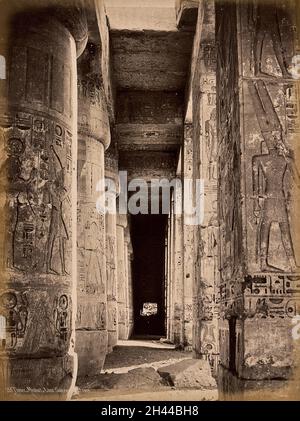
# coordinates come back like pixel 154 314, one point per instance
pixel 135 370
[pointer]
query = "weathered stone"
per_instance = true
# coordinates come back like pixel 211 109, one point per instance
pixel 189 374
pixel 121 225
pixel 94 137
pixel 141 59
pixel 188 239
pixel 178 286
pixel 205 167
pixel 155 15
pixel 38 202
pixel 92 348
pixel 258 262
pixel 233 125
pixel 139 378
pixel 111 169
pixel 129 290
pixel 149 120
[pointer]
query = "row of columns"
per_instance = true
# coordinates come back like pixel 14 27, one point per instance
pixel 61 259
pixel 180 254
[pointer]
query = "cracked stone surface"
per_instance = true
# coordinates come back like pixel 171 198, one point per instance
pixel 138 378
pixel 191 373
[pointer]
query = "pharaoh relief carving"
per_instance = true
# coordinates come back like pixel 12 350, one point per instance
pixel 270 189
pixel 270 46
pixel 37 173
pixel 94 245
pixel 91 253
pixel 90 238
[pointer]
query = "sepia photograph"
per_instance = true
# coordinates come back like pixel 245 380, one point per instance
pixel 149 205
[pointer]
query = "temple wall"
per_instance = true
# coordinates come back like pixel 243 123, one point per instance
pixel 257 103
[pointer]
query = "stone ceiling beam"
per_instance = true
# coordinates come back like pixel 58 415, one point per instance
pixel 151 60
pixel 148 165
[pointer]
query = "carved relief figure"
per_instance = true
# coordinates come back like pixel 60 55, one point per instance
pixel 61 317
pixel 211 144
pixel 93 255
pixel 25 230
pixel 58 230
pixel 267 18
pixel 270 199
pixel 10 176
pixel 35 195
pixel 20 204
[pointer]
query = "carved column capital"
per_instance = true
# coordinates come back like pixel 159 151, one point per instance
pixel 93 119
pixel 70 13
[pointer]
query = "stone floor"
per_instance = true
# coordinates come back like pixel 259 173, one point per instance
pixel 131 373
pixel 136 371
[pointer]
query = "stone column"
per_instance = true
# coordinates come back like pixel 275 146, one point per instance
pixel 258 116
pixel 93 138
pixel 121 225
pixel 111 173
pixel 188 236
pixel 206 288
pixel 170 308
pixel 178 288
pixel 168 280
pixel 128 277
pixel 130 292
pixel 38 119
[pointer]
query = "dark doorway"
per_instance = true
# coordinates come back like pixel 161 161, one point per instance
pixel 232 344
pixel 148 241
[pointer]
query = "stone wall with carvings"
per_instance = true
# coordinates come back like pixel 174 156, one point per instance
pixel 205 144
pixel 258 177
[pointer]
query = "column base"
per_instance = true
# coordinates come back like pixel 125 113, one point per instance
pixel 91 347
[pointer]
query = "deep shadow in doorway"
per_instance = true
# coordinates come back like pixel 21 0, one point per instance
pixel 148 271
